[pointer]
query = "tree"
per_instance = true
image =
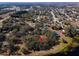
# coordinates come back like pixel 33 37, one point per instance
pixel 13 49
pixel 72 32
pixel 36 44
pixel 2 37
pixel 54 37
pixel 33 44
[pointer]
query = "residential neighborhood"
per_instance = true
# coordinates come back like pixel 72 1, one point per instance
pixel 39 30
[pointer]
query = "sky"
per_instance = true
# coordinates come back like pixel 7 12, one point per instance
pixel 39 0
